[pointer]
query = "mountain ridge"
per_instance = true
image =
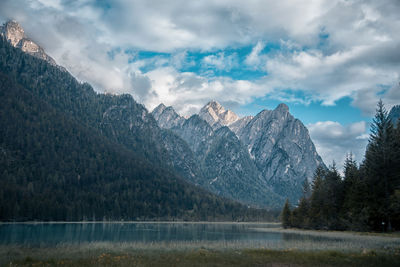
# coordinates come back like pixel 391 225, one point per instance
pixel 278 144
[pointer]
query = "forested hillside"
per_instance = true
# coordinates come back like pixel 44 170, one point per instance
pixel 366 198
pixel 62 157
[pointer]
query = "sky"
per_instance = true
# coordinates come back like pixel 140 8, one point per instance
pixel 330 61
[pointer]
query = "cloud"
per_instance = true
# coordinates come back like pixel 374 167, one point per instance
pixel 221 61
pixel 180 60
pixel 325 49
pixel 334 141
pixel 254 59
pixel 328 77
pixel 367 99
pixel 188 92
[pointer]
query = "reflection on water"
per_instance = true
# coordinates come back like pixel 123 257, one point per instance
pixel 75 233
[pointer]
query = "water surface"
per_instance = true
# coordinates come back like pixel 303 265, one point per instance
pixel 56 233
pixel 184 235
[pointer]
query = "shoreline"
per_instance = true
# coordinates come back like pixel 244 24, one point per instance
pixel 136 222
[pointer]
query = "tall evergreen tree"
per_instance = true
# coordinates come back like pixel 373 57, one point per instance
pixel 333 198
pixel 286 215
pixel 379 166
pixel 317 198
pixel 354 212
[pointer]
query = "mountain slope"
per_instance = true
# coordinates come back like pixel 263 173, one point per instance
pixel 230 172
pixel 217 160
pixel 282 150
pixel 100 111
pixel 183 159
pixel 269 155
pixel 238 125
pixel 67 153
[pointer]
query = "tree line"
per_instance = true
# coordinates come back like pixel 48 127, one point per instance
pixel 365 198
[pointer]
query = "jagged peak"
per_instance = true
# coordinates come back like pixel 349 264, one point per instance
pixel 13 32
pixel 282 107
pixel 213 112
pixel 157 111
pixel 159 107
pixel 214 105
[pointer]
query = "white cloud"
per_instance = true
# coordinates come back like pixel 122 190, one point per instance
pixel 188 92
pixel 334 141
pixel 357 53
pixel 254 58
pixel 180 60
pixel 327 77
pixel 221 62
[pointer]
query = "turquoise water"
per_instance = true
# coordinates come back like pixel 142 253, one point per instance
pixel 184 236
pixel 61 233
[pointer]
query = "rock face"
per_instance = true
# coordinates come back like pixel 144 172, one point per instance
pixel 216 115
pixel 282 150
pixel 15 34
pixel 394 115
pixel 238 125
pixel 167 117
pixel 184 161
pixel 258 160
pixel 231 173
pixel 213 159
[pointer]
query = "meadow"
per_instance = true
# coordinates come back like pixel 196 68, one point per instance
pixel 310 248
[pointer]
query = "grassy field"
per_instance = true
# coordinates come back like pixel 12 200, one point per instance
pixel 206 257
pixel 297 248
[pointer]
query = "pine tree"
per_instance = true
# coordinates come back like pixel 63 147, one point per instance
pixel 286 215
pixel 333 197
pixel 379 167
pixel 317 198
pixel 354 212
pixel 303 219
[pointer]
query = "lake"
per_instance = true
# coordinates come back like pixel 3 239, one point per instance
pixel 184 235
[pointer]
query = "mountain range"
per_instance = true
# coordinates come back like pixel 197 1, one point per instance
pixel 258 160
pixel 69 153
pixel 211 157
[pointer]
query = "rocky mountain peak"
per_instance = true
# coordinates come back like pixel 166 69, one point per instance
pixel 273 150
pixel 282 108
pixel 214 105
pixel 157 111
pixel 167 116
pixel 15 34
pixel 216 115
